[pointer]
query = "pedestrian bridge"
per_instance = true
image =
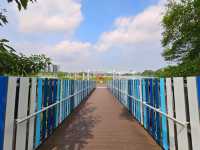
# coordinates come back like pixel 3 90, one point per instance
pixel 126 114
pixel 100 123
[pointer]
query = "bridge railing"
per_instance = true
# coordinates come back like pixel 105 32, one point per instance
pixel 168 108
pixel 32 108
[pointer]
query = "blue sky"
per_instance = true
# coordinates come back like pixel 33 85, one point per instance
pixel 89 34
pixel 100 14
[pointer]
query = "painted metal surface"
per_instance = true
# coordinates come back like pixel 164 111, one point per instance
pixel 170 108
pixel 179 97
pixel 38 117
pixel 193 84
pixel 164 119
pixel 10 113
pixel 31 122
pixel 31 109
pixel 3 101
pixel 21 131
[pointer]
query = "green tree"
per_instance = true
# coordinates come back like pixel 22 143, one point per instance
pixel 12 63
pixel 8 58
pixel 19 64
pixel 181 36
pixel 40 62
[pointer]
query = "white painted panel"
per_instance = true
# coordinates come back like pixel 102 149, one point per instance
pixel 194 112
pixel 22 112
pixel 180 113
pixel 9 119
pixel 171 113
pixel 32 110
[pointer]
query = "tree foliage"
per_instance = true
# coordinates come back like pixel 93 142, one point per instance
pixel 13 63
pixel 18 64
pixel 181 36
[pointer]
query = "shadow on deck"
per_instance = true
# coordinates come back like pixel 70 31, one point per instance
pixel 100 123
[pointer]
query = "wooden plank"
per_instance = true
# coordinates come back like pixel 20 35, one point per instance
pixel 22 112
pixel 170 109
pixel 193 85
pixel 164 119
pixel 180 113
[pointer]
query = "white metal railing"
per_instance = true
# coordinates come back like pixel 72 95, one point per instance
pixel 20 120
pixel 184 124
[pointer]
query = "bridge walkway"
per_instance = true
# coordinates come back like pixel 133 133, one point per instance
pixel 100 123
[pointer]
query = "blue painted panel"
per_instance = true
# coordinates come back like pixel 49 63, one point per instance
pixel 72 99
pixel 38 117
pixel 132 101
pixel 138 97
pixel 63 103
pixel 129 93
pixel 44 120
pixel 67 94
pixel 147 101
pixel 68 101
pixel 151 111
pixel 144 100
pixel 3 100
pixel 198 89
pixel 50 118
pixel 54 101
pixel 58 106
pixel 157 104
pixel 164 119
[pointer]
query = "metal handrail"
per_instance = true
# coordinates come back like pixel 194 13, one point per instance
pixel 184 124
pixel 20 120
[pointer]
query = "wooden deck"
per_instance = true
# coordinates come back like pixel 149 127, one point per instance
pixel 100 123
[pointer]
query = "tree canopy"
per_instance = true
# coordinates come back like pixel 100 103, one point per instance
pixel 181 39
pixel 181 36
pixel 13 63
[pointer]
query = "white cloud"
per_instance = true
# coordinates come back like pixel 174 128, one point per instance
pixel 142 28
pixel 65 53
pixel 72 47
pixel 70 52
pixel 134 42
pixel 51 16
